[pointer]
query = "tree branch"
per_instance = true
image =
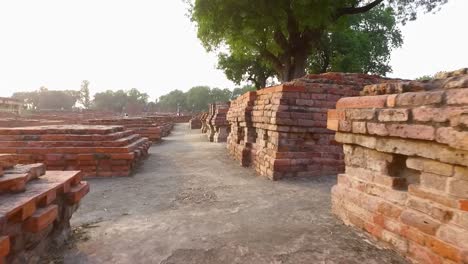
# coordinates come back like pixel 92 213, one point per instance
pixel 275 61
pixel 357 10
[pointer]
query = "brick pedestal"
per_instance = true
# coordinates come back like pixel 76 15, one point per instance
pixel 142 126
pixel 406 179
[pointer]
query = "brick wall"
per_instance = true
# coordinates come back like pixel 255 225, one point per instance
pixel 281 131
pixel 406 155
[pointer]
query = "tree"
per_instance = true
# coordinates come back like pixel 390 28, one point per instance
pixel 45 99
pixel 284 33
pixel 198 98
pixel 131 101
pixel 218 95
pixel 240 91
pixel 85 99
pixel 364 46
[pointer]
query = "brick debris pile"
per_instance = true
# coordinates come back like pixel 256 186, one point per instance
pixel 217 124
pixel 96 150
pixel 281 131
pixel 35 208
pixel 406 179
pixel 143 126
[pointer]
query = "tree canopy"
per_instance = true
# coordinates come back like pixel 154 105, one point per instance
pixel 289 36
pixel 46 99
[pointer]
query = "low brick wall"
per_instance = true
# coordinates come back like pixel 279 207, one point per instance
pixel 101 151
pixel 35 209
pixel 406 179
pixel 281 131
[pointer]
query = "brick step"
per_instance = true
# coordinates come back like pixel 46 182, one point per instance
pixel 15 179
pixel 67 137
pixel 74 150
pixel 41 219
pixel 117 143
pixel 61 129
pixel 39 193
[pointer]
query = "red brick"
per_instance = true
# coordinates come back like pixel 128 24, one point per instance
pixel 362 102
pixel 4 246
pixel 77 192
pixel 42 218
pixel 393 115
pixel 422 132
pixel 420 221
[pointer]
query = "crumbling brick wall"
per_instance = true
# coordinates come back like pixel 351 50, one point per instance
pixel 406 154
pixel 281 131
pixel 35 208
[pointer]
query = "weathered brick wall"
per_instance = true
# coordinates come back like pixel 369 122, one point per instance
pixel 281 131
pixel 35 209
pixel 406 155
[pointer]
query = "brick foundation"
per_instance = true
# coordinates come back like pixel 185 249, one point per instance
pixel 196 122
pixel 281 131
pixel 35 209
pixel 142 126
pixel 406 179
pixel 101 151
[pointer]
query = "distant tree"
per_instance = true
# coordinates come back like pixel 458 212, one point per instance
pixel 45 99
pixel 240 91
pixel 85 99
pixel 218 95
pixel 170 101
pixel 198 98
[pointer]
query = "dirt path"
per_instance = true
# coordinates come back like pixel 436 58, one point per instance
pixel 190 203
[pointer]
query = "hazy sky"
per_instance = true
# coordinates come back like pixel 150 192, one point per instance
pixel 152 45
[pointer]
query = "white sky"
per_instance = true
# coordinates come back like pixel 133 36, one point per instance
pixel 152 46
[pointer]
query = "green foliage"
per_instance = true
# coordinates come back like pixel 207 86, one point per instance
pixel 282 35
pixel 120 101
pixel 45 99
pixel 197 98
pixel 363 46
pixel 240 91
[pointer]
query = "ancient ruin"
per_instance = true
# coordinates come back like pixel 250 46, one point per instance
pixel 35 209
pixel 406 155
pixel 216 122
pixel 101 151
pixel 195 122
pixel 281 130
